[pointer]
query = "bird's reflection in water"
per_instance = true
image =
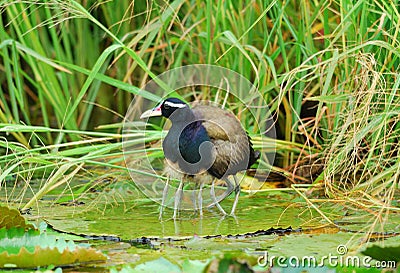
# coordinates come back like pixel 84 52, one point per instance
pixel 212 223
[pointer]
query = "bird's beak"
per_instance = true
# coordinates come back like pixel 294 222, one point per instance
pixel 155 112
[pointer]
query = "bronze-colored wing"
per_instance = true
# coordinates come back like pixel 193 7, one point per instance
pixel 231 142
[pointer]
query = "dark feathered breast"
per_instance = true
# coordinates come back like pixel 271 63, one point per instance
pixel 189 146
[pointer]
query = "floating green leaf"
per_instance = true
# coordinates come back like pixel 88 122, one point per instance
pixel 12 218
pixel 159 265
pixel 30 249
pixel 195 266
pixel 383 253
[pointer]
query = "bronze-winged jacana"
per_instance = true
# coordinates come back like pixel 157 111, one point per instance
pixel 204 139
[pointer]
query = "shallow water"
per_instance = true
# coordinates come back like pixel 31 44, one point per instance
pixel 121 211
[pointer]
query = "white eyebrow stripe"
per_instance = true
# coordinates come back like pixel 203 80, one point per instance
pixel 177 105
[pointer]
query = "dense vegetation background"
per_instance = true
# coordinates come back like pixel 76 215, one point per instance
pixel 329 71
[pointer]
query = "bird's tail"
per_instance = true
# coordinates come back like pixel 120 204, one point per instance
pixel 254 156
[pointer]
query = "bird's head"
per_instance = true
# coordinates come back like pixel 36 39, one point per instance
pixel 166 108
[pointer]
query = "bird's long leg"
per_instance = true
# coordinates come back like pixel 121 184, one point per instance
pixel 164 197
pixel 194 200
pixel 226 193
pixel 237 193
pixel 200 198
pixel 178 198
pixel 212 193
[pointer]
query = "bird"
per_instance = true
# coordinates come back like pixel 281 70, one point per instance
pixel 202 140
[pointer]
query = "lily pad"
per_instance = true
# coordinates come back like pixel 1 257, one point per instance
pixel 195 266
pixel 383 253
pixel 12 218
pixel 20 249
pixel 159 265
